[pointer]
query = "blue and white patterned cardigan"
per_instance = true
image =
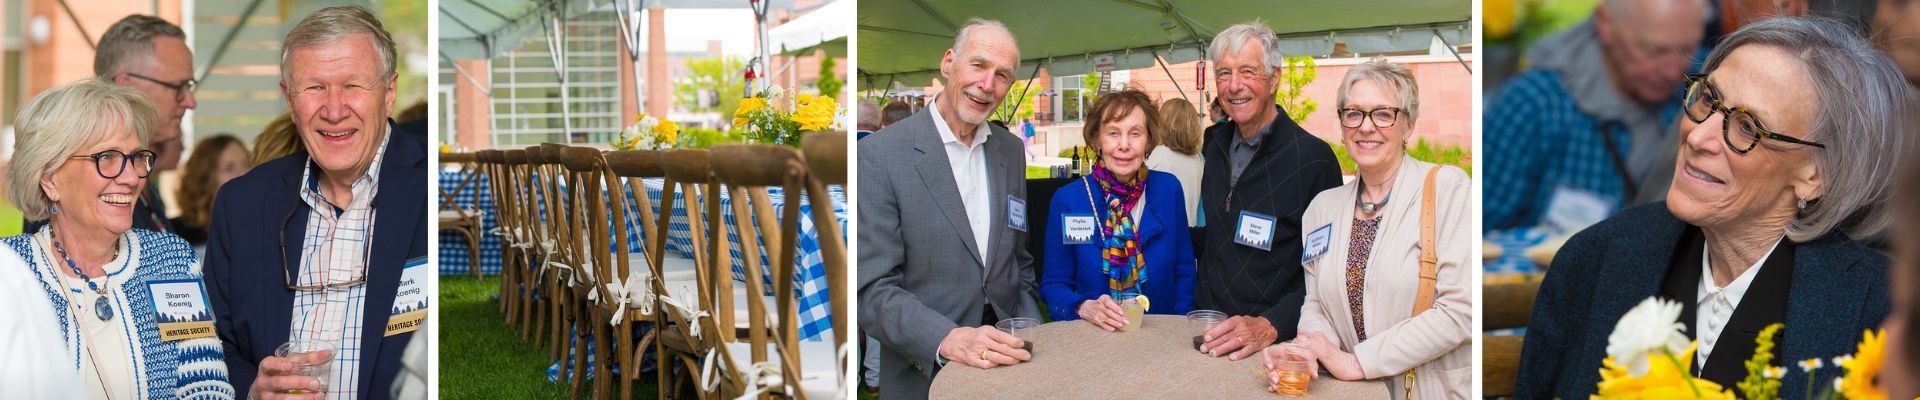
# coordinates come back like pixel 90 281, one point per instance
pixel 186 369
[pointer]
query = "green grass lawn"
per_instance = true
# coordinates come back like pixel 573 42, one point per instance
pixel 480 358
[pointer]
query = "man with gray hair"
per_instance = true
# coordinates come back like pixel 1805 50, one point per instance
pixel 1261 170
pixel 951 188
pixel 1588 129
pixel 869 118
pixel 337 231
pixel 150 55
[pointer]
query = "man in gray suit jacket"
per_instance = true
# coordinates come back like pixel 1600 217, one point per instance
pixel 942 220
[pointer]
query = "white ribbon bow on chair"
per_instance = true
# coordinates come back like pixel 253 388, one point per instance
pixel 690 313
pixel 764 377
pixel 635 293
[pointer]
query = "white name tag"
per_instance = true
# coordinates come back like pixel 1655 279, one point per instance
pixel 1572 209
pixel 181 309
pixel 1316 243
pixel 1256 230
pixel 1077 229
pixel 410 302
pixel 1016 213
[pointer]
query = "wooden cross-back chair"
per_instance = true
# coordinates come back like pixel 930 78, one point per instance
pixel 655 271
pixel 803 369
pixel 459 219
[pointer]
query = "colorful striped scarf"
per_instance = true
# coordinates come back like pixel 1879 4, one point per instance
pixel 1121 235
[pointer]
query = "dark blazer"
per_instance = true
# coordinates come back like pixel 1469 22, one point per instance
pixel 1838 289
pixel 921 274
pixel 252 307
pixel 1289 167
pixel 1072 272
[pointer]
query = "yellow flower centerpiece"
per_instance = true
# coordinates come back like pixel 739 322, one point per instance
pixel 1863 367
pixel 767 124
pixel 648 133
pixel 1644 355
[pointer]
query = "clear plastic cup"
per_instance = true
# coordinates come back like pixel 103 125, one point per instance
pixel 1018 327
pixel 1291 371
pixel 1201 321
pixel 1131 309
pixel 296 351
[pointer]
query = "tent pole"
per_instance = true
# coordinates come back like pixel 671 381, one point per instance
pixel 556 49
pixel 227 41
pixel 76 25
pixel 1176 81
pixel 1023 94
pixel 1450 49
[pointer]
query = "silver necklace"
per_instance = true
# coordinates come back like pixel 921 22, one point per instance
pixel 1359 197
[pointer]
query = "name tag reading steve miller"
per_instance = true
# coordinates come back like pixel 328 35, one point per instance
pixel 410 303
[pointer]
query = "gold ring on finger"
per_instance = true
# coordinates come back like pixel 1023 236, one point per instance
pixel 983 355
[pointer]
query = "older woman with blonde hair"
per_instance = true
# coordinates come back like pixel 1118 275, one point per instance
pixel 1389 256
pixel 1179 150
pixel 1801 126
pixel 81 157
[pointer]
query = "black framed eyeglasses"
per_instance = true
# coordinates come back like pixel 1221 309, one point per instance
pixel 1703 100
pixel 286 267
pixel 111 163
pixel 180 89
pixel 1383 117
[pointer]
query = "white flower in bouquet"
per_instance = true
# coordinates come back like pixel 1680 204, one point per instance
pixel 1648 330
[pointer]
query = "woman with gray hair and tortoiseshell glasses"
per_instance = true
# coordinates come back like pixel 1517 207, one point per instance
pixel 1800 126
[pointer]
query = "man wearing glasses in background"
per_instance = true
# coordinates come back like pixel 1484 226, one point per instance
pixel 328 244
pixel 149 54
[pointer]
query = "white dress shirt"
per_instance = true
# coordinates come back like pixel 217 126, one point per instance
pixel 29 336
pixel 1714 305
pixel 969 165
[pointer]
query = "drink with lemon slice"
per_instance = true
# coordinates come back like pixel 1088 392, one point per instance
pixel 1135 306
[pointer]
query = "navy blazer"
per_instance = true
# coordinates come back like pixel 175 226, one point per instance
pixel 1072 271
pixel 245 275
pixel 1838 290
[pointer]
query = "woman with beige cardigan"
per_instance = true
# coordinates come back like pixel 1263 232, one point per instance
pixel 1369 313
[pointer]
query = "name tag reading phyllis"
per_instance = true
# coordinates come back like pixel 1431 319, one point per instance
pixel 180 306
pixel 1076 229
pixel 410 303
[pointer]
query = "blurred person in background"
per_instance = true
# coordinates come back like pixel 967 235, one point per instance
pixel 869 118
pixel 1179 150
pixel 279 139
pixel 895 111
pixel 1571 140
pixel 215 161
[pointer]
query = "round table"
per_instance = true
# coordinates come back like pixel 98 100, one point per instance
pixel 1073 359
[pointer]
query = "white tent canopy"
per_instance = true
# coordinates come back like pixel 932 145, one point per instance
pixel 825 27
pixel 902 40
pixel 482 29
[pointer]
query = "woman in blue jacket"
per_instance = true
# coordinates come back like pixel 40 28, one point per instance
pixel 1120 231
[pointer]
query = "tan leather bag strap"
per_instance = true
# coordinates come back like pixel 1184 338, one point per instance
pixel 1429 259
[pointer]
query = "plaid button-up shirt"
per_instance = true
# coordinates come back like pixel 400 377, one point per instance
pixel 336 250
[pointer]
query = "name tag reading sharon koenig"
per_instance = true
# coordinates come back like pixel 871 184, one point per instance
pixel 180 307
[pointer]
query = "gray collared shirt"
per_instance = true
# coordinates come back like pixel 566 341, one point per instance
pixel 1240 151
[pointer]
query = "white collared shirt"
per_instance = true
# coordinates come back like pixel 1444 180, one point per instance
pixel 1714 305
pixel 969 165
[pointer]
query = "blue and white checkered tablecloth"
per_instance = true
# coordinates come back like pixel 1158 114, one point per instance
pixel 810 274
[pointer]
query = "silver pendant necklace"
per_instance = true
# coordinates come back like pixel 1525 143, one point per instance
pixel 1359 198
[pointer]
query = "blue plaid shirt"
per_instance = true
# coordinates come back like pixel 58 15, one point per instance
pixel 1537 142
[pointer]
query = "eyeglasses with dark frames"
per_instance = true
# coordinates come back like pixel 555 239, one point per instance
pixel 180 89
pixel 1383 117
pixel 1703 100
pixel 286 267
pixel 111 163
